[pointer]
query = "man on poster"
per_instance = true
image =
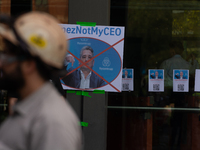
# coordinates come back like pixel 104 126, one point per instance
pixel 180 76
pixel 83 78
pixel 155 76
pixel 156 80
pixel 126 75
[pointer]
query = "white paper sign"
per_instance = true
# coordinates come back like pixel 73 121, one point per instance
pixel 156 80
pixel 127 79
pixel 97 58
pixel 180 80
pixel 197 81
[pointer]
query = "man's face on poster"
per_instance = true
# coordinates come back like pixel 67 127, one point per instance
pixel 126 73
pixel 181 74
pixel 85 56
pixel 156 73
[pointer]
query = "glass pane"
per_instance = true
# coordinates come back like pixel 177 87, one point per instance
pixel 159 35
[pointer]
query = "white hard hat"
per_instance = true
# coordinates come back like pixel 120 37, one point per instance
pixel 42 34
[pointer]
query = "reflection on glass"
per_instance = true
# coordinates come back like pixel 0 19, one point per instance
pixel 159 35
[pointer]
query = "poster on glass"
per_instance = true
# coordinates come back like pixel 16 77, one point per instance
pixel 180 80
pixel 127 79
pixel 94 58
pixel 156 80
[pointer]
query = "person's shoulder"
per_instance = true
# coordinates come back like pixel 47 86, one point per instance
pixel 186 64
pixel 164 63
pixel 170 60
pixel 184 77
pixel 152 76
pixel 71 75
pixel 97 80
pixel 93 75
pixel 72 68
pixel 177 76
pixel 56 109
pixel 57 119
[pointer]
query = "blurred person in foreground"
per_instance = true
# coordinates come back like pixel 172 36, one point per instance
pixel 34 51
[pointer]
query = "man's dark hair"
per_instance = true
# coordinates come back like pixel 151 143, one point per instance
pixel 177 46
pixel 86 48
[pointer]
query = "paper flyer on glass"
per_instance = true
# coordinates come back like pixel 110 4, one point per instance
pixel 94 59
pixel 180 80
pixel 156 80
pixel 197 81
pixel 127 79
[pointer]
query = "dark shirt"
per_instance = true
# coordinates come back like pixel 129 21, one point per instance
pixel 74 79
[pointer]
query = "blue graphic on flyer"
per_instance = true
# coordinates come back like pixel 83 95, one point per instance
pixel 180 74
pixel 107 64
pixel 156 74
